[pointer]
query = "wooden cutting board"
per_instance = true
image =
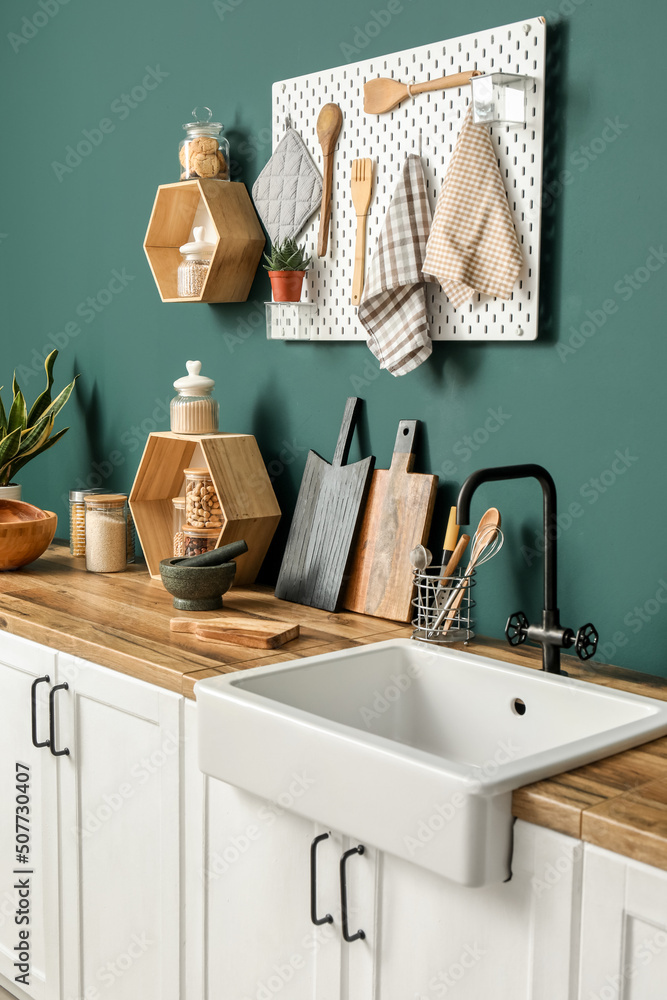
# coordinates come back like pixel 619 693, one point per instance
pixel 258 633
pixel 326 520
pixel 397 517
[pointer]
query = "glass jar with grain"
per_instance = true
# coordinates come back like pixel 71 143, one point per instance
pixel 179 518
pixel 106 533
pixel 194 411
pixel 194 267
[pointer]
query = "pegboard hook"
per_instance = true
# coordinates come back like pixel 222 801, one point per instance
pixel 416 141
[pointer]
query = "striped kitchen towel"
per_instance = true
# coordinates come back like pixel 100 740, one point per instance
pixel 393 305
pixel 473 246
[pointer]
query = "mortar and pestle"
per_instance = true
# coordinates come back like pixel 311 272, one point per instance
pixel 197 583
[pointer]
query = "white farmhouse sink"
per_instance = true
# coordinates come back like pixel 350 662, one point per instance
pixel 410 748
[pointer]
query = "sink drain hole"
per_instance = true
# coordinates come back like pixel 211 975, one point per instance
pixel 519 706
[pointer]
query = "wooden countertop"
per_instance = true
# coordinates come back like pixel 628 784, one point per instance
pixel 121 621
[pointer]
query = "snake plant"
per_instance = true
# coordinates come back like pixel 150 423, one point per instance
pixel 289 256
pixel 25 435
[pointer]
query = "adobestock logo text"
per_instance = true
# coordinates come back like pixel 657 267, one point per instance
pixel 33 24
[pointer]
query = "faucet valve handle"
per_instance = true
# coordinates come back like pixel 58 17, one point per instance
pixel 586 642
pixel 516 629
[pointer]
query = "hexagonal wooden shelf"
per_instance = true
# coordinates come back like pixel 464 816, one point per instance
pixel 239 245
pixel 249 506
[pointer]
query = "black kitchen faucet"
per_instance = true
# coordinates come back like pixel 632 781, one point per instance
pixel 550 634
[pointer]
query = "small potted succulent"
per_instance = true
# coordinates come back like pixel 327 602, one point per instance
pixel 26 434
pixel 287 268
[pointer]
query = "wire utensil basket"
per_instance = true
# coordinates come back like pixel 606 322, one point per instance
pixel 444 604
pixel 432 591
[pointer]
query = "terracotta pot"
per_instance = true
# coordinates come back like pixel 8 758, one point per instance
pixel 286 285
pixel 11 492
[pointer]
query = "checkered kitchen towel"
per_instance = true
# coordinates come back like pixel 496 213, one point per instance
pixel 473 246
pixel 393 304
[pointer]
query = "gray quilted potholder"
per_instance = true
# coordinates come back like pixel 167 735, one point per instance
pixel 288 190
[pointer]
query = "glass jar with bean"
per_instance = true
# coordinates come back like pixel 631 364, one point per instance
pixel 202 506
pixel 196 541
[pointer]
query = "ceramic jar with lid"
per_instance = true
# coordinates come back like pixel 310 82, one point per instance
pixel 194 267
pixel 193 410
pixel 204 153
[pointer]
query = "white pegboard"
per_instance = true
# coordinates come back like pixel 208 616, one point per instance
pixel 434 119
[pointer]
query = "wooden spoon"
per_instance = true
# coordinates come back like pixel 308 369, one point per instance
pixel 329 123
pixel 381 95
pixel 491 519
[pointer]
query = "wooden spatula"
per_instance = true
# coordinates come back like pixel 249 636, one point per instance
pixel 329 123
pixel 362 186
pixel 382 95
pixel 258 633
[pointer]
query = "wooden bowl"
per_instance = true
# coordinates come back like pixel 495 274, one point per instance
pixel 25 533
pixel 17 510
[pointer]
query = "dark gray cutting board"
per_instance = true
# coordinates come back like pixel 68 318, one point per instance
pixel 326 520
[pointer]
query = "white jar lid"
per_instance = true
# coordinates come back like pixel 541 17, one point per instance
pixel 193 381
pixel 199 247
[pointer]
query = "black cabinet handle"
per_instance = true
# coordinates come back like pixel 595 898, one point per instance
pixel 52 719
pixel 327 918
pixel 343 893
pixel 33 710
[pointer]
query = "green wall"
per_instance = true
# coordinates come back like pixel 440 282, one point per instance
pixel 65 234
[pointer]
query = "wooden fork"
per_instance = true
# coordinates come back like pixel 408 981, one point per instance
pixel 362 185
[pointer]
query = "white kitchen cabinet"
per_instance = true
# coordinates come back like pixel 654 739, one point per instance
pixel 512 941
pixel 119 833
pixel 248 908
pixel 624 929
pixel 150 880
pixel 424 936
pixel 105 829
pixel 21 663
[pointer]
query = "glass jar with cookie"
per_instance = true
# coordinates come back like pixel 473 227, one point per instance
pixel 204 152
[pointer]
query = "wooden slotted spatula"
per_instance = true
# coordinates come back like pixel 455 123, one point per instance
pixel 362 186
pixel 382 95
